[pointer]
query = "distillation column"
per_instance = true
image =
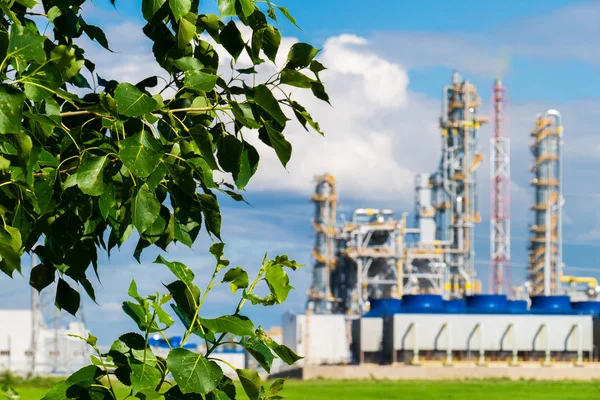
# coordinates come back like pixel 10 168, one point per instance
pixel 319 296
pixel 500 196
pixel 545 249
pixel 456 183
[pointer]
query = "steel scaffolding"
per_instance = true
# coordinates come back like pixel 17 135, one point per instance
pixel 455 184
pixel 545 248
pixel 320 299
pixel 500 197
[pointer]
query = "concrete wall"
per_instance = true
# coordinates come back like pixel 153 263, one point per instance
pixel 465 332
pixel 15 340
pixel 321 339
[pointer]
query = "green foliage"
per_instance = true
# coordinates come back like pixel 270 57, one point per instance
pixel 80 170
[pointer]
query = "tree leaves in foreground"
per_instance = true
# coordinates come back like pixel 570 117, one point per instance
pixel 88 163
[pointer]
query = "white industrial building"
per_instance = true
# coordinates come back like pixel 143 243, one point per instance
pixel 27 346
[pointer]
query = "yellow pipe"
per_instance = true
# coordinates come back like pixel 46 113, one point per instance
pixel 592 282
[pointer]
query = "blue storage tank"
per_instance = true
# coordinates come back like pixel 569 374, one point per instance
pixel 586 307
pixel 517 306
pixel 551 305
pixel 455 306
pixel 383 307
pixel 422 303
pixel 487 304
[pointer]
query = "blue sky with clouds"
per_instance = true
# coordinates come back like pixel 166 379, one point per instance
pixel 388 61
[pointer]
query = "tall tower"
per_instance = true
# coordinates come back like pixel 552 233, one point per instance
pixel 455 184
pixel 500 196
pixel 545 248
pixel 325 199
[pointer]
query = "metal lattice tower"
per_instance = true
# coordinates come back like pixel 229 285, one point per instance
pixel 500 196
pixel 545 249
pixel 319 296
pixel 456 201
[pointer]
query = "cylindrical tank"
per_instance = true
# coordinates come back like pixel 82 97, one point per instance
pixel 517 306
pixel 487 304
pixel 551 305
pixel 422 303
pixel 455 306
pixel 586 307
pixel 383 307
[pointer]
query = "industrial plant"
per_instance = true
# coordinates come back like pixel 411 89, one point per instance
pixel 392 292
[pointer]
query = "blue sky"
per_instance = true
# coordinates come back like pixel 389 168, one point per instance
pixel 387 61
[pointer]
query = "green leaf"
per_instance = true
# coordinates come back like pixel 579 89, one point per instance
pixel 200 81
pixel 106 202
pixel 204 170
pixel 279 282
pixel 180 270
pixel 188 63
pixel 294 78
pixel 237 277
pixel 300 55
pixel 229 150
pixel 193 372
pixel 140 154
pixel 304 117
pixel 250 381
pixel 67 298
pixel 271 41
pixel 97 34
pixel 10 260
pixel 179 8
pixel 231 39
pixel 260 352
pixel 204 141
pixel 42 82
pixel 132 102
pixel 8 393
pixel 140 315
pixel 143 376
pixel 316 67
pixel 285 353
pixel 319 91
pixel 187 225
pixel 79 385
pixel 249 165
pixel 278 142
pixel 89 176
pixel 235 324
pixel 186 32
pixel 247 7
pixel 217 251
pixel 151 7
pixel 42 276
pixel 265 99
pixel 26 44
pixel 212 213
pixel 11 106
pixel 243 114
pixel 227 8
pixel 186 296
pixel 144 208
pixel 289 16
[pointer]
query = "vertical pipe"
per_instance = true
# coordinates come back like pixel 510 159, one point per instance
pixel 579 344
pixel 448 343
pixel 415 335
pixel 513 332
pixel 547 253
pixel 481 345
pixel 547 340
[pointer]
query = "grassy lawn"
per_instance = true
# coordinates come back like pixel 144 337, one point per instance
pixel 436 390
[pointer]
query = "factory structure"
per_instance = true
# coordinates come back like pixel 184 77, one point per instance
pixel 393 292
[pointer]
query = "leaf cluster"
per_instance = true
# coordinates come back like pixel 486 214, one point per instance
pixel 132 361
pixel 80 173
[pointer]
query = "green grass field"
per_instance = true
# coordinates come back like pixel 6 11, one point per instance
pixel 408 390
